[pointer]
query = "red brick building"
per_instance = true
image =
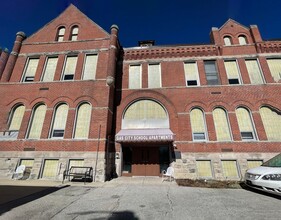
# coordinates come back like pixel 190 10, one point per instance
pixel 74 96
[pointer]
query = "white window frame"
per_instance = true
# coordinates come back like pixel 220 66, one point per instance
pixel 64 66
pixel 45 66
pixel 197 75
pixel 84 65
pixel 160 75
pixel 227 40
pixel 205 126
pixel 140 83
pixel 23 79
pixel 239 73
pixel 261 72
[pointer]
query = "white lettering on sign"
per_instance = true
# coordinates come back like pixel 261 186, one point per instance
pixel 131 138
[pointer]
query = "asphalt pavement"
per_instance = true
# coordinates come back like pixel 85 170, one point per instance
pixel 138 198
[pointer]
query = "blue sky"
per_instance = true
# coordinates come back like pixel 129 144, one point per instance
pixel 166 22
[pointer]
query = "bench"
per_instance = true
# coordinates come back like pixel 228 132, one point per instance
pixel 78 172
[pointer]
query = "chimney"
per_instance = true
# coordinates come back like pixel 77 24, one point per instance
pixel 3 60
pixel 20 36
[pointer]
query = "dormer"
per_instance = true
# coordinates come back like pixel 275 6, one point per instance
pixel 233 34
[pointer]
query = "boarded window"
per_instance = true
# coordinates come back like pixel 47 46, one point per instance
pixel 245 124
pixel 76 162
pixel 90 66
pixel 30 69
pixel 229 168
pixel 275 68
pixel 198 125
pixel 227 41
pixel 154 76
pixel 204 168
pixel 272 123
pixel 211 72
pixel 221 125
pixel 145 114
pixel 74 33
pixel 83 119
pixel 27 162
pixel 60 35
pixel 50 69
pixel 191 74
pixel 37 121
pixel 69 68
pixel 254 72
pixel 16 119
pixel 242 40
pixel 254 163
pixel 50 169
pixel 232 72
pixel 59 121
pixel 135 77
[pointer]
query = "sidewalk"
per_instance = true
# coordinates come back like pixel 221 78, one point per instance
pixel 11 190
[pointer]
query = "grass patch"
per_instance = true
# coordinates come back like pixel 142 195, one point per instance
pixel 229 184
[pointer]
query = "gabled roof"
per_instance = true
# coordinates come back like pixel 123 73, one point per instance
pixel 230 22
pixel 63 19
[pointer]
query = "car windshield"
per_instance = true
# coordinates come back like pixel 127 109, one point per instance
pixel 273 162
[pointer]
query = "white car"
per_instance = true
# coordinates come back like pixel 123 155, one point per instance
pixel 267 177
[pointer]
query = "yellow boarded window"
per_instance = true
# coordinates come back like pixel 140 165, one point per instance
pixel 230 169
pixel 254 72
pixel 275 68
pixel 272 123
pixel 30 69
pixel 204 168
pixel 232 72
pixel 83 119
pixel 16 119
pixel 60 121
pixel 145 114
pixel 90 67
pixel 27 162
pixel 135 77
pixel 245 123
pixel 50 169
pixel 154 76
pixel 254 163
pixel 37 122
pixel 191 74
pixel 198 124
pixel 76 162
pixel 69 68
pixel 221 125
pixel 50 69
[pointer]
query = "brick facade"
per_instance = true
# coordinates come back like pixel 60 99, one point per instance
pixel 109 97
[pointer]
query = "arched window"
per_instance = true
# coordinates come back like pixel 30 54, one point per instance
pixel 198 125
pixel 60 34
pixel 272 123
pixel 83 119
pixel 36 123
pixel 227 41
pixel 16 118
pixel 145 114
pixel 221 125
pixel 59 121
pixel 74 33
pixel 242 40
pixel 245 123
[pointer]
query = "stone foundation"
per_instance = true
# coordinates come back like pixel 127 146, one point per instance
pixel 10 160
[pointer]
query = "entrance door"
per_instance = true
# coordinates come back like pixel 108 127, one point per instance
pixel 145 161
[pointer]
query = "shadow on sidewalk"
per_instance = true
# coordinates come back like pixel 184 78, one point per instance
pixel 14 196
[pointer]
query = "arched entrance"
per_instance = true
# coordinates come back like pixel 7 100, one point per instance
pixel 145 138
